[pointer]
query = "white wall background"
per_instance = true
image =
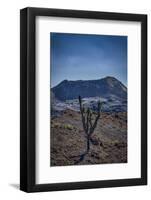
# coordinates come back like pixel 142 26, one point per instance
pixel 9 99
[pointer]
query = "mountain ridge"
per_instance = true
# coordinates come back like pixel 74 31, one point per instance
pixel 104 87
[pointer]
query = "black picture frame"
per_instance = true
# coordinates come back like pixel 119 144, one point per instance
pixel 28 98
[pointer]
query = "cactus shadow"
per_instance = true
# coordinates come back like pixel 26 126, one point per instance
pixel 79 157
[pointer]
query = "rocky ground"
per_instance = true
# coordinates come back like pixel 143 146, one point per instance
pixel 68 141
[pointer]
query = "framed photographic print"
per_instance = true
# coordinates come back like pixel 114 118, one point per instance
pixel 83 95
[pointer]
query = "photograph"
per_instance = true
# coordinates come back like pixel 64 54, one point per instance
pixel 88 99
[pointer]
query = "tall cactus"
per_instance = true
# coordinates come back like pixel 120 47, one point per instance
pixel 89 125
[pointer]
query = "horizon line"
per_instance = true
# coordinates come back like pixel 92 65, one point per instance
pixel 89 80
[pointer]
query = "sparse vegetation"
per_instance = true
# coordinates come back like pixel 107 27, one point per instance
pixel 68 126
pixel 68 141
pixel 64 126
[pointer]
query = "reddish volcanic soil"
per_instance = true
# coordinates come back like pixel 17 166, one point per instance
pixel 68 141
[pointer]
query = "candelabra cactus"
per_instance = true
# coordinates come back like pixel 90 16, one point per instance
pixel 89 124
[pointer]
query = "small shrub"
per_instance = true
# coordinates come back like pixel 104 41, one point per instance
pixel 114 143
pixel 64 126
pixel 55 125
pixel 68 126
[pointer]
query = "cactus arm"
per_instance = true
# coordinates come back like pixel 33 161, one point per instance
pixel 95 123
pixel 96 119
pixel 90 120
pixel 87 122
pixel 82 114
pixel 84 121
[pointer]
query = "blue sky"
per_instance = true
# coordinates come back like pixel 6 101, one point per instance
pixel 87 57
